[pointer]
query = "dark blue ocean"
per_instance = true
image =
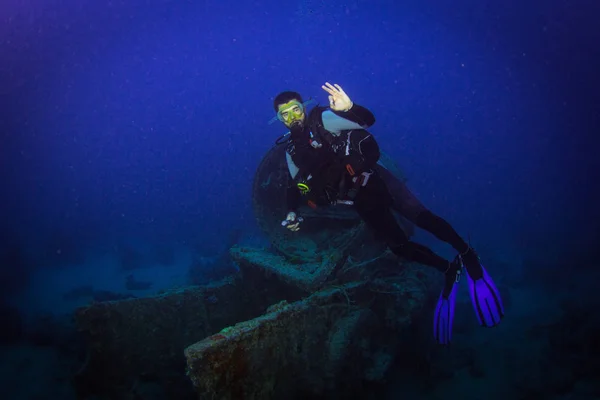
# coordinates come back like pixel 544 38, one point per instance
pixel 131 131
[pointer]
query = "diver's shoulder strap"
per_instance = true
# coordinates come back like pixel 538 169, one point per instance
pixel 316 112
pixel 315 123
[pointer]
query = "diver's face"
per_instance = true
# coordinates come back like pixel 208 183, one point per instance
pixel 291 114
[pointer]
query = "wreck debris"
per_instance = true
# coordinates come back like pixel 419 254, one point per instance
pixel 143 338
pixel 303 274
pixel 320 313
pixel 339 337
pixel 320 346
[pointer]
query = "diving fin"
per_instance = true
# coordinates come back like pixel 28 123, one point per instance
pixel 443 317
pixel 485 296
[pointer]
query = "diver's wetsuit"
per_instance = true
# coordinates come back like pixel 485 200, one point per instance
pixel 318 155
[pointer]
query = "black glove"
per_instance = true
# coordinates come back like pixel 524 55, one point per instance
pixel 354 164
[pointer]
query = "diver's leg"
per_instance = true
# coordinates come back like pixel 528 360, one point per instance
pixel 485 296
pixel 441 229
pixel 409 206
pixel 373 204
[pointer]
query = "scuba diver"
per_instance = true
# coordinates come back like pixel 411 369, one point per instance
pixel 332 160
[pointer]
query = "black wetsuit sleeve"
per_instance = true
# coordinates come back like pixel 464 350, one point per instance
pixel 293 197
pixel 359 114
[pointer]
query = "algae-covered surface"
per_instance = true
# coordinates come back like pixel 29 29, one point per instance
pixel 326 344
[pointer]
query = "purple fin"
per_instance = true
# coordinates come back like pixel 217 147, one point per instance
pixel 443 317
pixel 486 300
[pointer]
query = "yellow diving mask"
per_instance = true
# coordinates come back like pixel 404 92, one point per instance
pixel 290 112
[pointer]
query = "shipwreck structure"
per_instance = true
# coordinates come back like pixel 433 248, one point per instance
pixel 319 314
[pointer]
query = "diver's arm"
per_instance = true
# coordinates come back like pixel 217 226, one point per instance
pixel 292 167
pixel 293 196
pixel 357 117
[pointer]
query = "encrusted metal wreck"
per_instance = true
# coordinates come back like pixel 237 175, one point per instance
pixel 321 313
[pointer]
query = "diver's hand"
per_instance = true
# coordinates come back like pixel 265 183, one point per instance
pixel 292 222
pixel 338 99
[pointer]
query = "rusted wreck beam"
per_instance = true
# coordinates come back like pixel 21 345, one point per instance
pixel 143 338
pixel 307 276
pixel 321 346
